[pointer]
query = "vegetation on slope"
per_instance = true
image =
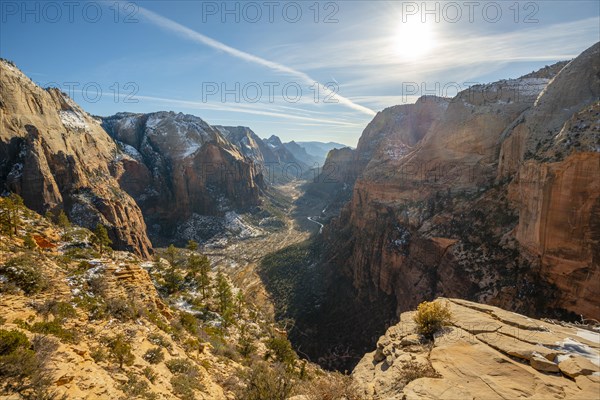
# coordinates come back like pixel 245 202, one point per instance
pixel 115 326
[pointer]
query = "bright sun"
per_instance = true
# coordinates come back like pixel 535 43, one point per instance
pixel 414 39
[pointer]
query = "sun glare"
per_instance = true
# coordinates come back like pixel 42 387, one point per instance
pixel 414 40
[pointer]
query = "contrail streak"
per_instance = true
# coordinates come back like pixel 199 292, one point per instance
pixel 188 33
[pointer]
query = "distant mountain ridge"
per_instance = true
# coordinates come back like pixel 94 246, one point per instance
pixel 298 157
pixel 320 149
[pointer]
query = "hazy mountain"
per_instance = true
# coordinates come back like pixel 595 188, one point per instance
pixel 320 149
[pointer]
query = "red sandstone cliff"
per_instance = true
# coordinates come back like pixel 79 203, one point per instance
pixel 177 165
pixel 56 156
pixel 492 197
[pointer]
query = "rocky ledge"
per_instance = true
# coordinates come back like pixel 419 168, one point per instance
pixel 487 353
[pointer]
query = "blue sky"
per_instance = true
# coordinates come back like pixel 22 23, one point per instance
pixel 301 70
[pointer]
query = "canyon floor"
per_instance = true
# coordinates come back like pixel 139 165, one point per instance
pixel 241 258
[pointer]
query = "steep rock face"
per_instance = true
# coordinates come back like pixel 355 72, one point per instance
pixel 249 143
pixel 436 218
pixel 276 162
pixel 396 130
pixel 487 353
pixel 435 148
pixel 558 201
pixel 576 87
pixel 178 165
pixel 337 166
pixel 56 156
pixel 554 154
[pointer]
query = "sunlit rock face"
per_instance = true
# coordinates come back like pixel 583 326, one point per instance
pixel 179 166
pixel 56 156
pixel 556 183
pixel 491 195
pixel 485 353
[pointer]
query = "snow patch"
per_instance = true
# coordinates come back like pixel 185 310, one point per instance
pixel 131 151
pixel 572 346
pixel 588 335
pixel 237 227
pixel 73 120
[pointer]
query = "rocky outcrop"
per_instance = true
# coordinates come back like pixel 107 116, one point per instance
pixel 177 166
pixel 435 151
pixel 56 156
pixel 486 353
pixel 576 87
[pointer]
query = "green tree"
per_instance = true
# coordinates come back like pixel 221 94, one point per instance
pixel 246 345
pixel 281 349
pixel 173 280
pixel 9 213
pixel 18 205
pixel 49 216
pixel 239 303
pixel 224 297
pixel 101 238
pixel 192 245
pixel 29 242
pixel 63 221
pixel 171 254
pixel 198 272
pixel 120 350
pixel 5 216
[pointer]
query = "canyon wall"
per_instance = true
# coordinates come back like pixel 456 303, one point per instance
pixel 179 167
pixel 491 196
pixel 56 156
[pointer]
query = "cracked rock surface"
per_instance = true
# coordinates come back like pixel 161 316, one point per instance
pixel 487 353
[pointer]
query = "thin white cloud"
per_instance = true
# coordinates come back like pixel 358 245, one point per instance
pixel 188 33
pixel 255 109
pixel 459 58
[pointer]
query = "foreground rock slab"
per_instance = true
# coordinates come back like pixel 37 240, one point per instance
pixel 503 356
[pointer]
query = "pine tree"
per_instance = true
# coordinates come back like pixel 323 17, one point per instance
pixel 224 298
pixel 63 221
pixel 239 303
pixel 199 268
pixel 192 245
pixel 6 206
pixel 13 204
pixel 171 254
pixel 101 237
pixel 173 280
pixel 29 242
pixel 49 216
pixel 120 350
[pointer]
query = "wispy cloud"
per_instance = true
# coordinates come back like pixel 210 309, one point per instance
pixel 371 65
pixel 197 37
pixel 255 109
